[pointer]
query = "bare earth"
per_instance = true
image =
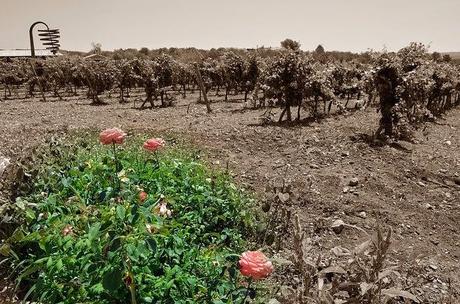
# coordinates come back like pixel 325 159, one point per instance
pixel 414 188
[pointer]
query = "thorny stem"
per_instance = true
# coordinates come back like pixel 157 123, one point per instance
pixel 116 180
pixel 132 290
pixel 129 278
pixel 247 291
pixel 115 156
pixel 156 159
pixel 131 287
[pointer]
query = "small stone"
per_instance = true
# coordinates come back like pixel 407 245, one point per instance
pixel 266 206
pixel 448 142
pixel 345 153
pixel 362 214
pixel 4 163
pixel 345 189
pixel 434 267
pixel 457 180
pixel 337 226
pixel 353 182
pixel 435 242
pixel 428 206
pixel 314 166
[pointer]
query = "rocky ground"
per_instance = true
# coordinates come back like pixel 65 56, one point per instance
pixel 333 171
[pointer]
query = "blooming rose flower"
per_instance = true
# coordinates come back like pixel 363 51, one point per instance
pixel 153 144
pixel 112 136
pixel 142 196
pixel 162 210
pixel 255 264
pixel 68 230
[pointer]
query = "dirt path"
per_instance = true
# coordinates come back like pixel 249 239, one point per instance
pixel 410 187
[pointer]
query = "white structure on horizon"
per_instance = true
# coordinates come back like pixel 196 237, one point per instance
pixel 24 53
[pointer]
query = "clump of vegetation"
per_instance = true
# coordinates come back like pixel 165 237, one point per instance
pixel 360 275
pixel 130 225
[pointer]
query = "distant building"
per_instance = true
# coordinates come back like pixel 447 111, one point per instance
pixel 25 53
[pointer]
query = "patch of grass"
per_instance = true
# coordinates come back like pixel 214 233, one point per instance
pixel 87 236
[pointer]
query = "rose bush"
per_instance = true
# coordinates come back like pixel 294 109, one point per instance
pixel 85 241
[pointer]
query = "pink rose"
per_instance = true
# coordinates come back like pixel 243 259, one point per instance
pixel 154 144
pixel 112 136
pixel 255 264
pixel 68 230
pixel 162 210
pixel 143 196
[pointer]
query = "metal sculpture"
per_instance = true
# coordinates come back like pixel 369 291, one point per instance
pixel 50 38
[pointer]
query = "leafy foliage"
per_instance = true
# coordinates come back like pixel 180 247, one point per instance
pixel 87 237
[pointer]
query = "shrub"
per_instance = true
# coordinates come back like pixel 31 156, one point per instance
pixel 89 238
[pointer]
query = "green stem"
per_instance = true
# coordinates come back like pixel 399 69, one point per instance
pixel 131 287
pixel 132 290
pixel 116 181
pixel 156 157
pixel 115 156
pixel 247 290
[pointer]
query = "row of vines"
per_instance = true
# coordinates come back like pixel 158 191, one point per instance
pixel 410 85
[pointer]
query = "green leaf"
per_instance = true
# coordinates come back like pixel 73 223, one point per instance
pixel 5 249
pixel 133 254
pixel 112 280
pixel 17 236
pixel 59 264
pixel 97 288
pixel 49 263
pixel 28 271
pixel 134 214
pixel 94 231
pixel 152 244
pixel 30 215
pixel 121 212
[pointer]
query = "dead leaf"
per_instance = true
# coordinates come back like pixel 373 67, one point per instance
pixel 339 251
pixel 360 249
pixel 332 269
pixel 394 293
pixel 386 272
pixel 365 287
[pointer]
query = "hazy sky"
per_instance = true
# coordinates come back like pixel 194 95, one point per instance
pixel 353 25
